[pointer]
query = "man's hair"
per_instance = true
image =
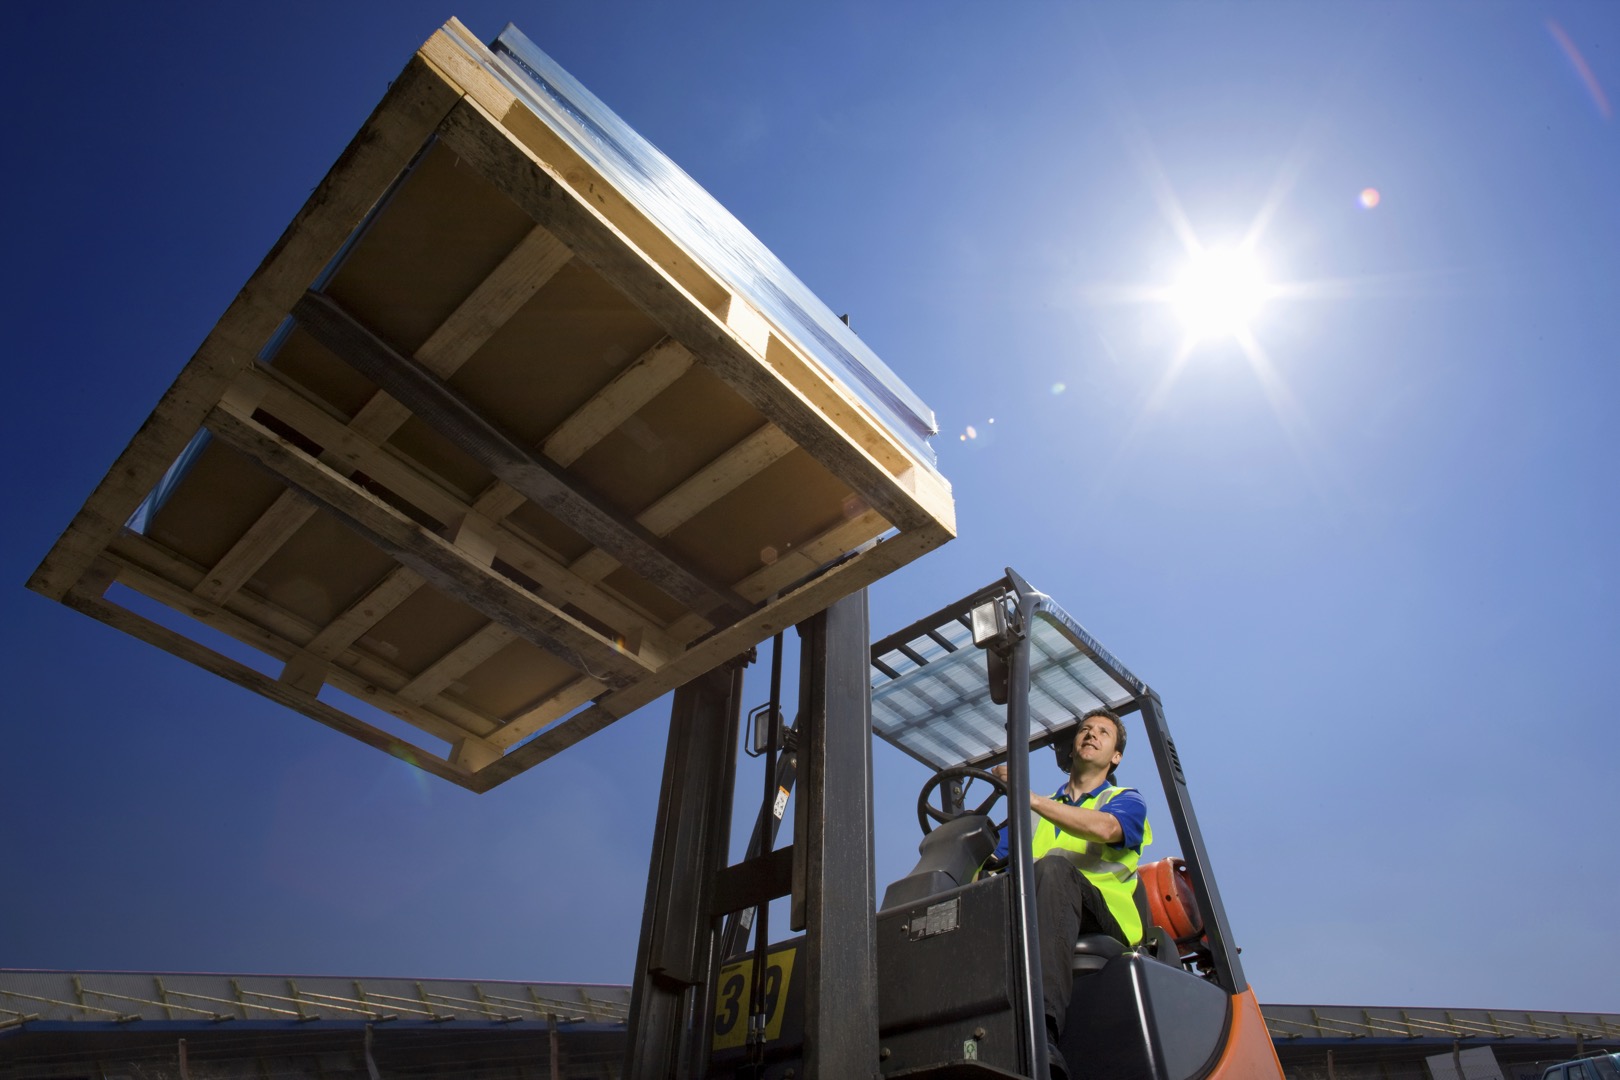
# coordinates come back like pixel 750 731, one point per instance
pixel 1065 745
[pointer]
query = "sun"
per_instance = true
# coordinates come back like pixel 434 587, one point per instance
pixel 1219 293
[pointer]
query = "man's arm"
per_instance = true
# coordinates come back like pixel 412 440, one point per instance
pixel 1075 820
pixel 1078 821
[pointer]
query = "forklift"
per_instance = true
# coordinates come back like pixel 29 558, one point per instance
pixel 940 979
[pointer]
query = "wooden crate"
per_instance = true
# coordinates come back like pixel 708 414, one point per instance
pixel 517 466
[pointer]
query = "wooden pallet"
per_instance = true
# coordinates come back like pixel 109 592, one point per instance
pixel 519 466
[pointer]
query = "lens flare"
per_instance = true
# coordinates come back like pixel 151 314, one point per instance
pixel 1594 89
pixel 1369 197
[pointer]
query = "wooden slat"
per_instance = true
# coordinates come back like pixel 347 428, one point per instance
pixel 793 566
pixel 724 645
pixel 555 583
pixel 545 745
pixel 911 500
pixel 649 375
pixel 346 450
pixel 830 395
pixel 653 372
pixel 138 626
pixel 263 539
pixel 523 273
pixel 638 631
pixel 394 589
pixel 552 708
pixel 790 609
pixel 540 481
pixel 718 478
pixel 402 121
pixel 534 261
pixel 445 567
pixel 276 633
pixel 304 672
pixel 812 555
pixel 264 626
pixel 482 645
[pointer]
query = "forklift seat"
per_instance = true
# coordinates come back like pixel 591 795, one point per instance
pixel 1170 919
pixel 1093 951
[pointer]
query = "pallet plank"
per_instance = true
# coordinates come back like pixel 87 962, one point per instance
pixel 231 670
pixel 723 646
pixel 457 662
pixel 512 284
pixel 435 559
pixel 473 133
pixel 394 589
pixel 698 492
pixel 275 634
pixel 525 270
pixel 555 582
pixel 263 539
pixel 538 480
pixel 649 375
pixel 552 708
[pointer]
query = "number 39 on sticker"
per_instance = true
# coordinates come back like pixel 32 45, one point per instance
pixel 732 993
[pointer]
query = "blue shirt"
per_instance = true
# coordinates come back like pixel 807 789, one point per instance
pixel 1128 808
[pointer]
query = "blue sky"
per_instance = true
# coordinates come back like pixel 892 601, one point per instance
pixel 1368 562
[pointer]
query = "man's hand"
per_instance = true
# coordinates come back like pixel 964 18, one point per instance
pixel 1000 773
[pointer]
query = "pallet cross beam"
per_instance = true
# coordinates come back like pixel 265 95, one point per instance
pixel 525 472
pixel 531 264
pixel 356 453
pixel 434 559
pixel 86 598
pixel 376 683
pixel 277 632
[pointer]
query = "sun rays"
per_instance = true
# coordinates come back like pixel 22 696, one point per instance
pixel 1218 300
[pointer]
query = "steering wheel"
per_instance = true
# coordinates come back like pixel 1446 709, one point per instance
pixel 928 814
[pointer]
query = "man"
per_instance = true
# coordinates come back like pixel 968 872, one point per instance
pixel 1087 840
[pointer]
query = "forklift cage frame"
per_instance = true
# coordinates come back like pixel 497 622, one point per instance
pixel 828 870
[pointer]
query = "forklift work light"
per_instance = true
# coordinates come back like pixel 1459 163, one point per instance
pixel 990 624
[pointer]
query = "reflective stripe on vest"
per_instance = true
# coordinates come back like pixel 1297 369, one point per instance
pixel 1111 869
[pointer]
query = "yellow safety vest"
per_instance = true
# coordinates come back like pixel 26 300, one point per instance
pixel 1111 869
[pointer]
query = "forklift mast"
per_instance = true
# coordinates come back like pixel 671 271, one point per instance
pixel 827 871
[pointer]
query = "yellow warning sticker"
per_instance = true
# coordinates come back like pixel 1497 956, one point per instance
pixel 732 993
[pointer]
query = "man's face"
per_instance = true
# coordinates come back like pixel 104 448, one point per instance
pixel 1096 743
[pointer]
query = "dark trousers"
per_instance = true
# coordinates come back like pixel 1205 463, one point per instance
pixel 1067 905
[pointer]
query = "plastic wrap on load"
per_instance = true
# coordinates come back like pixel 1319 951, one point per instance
pixel 709 233
pixel 141 519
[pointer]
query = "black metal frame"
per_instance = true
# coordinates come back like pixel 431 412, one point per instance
pixel 828 871
pixel 1032 604
pixel 1025 604
pixel 677 955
